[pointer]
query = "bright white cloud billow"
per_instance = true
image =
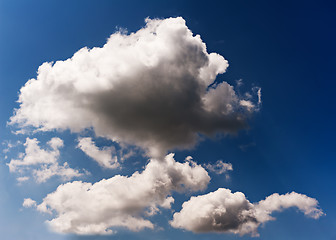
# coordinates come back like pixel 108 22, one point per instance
pixel 149 88
pixel 43 163
pixel 102 156
pixel 224 211
pixel 85 208
pixel 28 202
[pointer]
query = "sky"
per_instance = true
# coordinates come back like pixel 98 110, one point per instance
pixel 167 120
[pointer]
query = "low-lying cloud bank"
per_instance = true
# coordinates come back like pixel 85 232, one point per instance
pixel 121 201
pixel 153 88
pixel 224 211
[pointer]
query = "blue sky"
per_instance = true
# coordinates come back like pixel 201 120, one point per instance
pixel 284 48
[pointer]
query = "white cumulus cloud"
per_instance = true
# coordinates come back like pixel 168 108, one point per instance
pixel 121 201
pixel 43 163
pixel 28 202
pixel 102 156
pixel 224 211
pixel 152 88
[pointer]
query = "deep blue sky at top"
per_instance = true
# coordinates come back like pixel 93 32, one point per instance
pixel 285 47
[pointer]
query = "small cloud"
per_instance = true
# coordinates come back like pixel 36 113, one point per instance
pixel 9 145
pixel 219 167
pixel 28 202
pixel 239 83
pixel 225 212
pixel 43 163
pixel 244 147
pixel 22 179
pixel 247 104
pixel 259 96
pixel 104 157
